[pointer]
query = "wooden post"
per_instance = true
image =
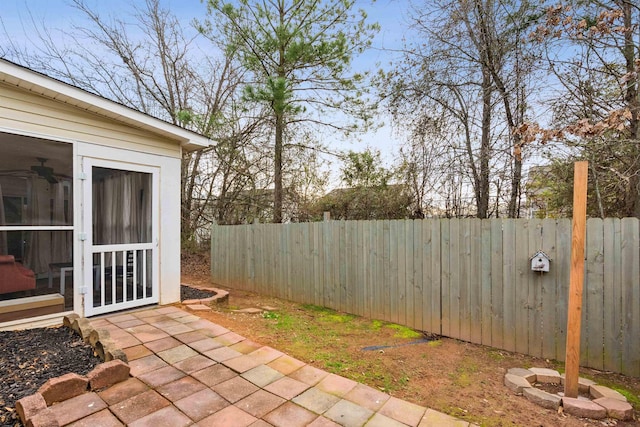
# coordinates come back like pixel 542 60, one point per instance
pixel 576 279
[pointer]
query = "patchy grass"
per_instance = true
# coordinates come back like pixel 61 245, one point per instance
pixel 403 331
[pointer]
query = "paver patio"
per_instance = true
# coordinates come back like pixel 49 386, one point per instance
pixel 188 371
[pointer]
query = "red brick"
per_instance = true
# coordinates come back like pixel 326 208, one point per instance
pixel 63 388
pixel 77 408
pixel 29 406
pixel 107 374
pixel 43 418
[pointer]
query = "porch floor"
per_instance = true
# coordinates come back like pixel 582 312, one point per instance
pixel 188 371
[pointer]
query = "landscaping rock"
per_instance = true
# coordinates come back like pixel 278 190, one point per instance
pixel 598 391
pixel 583 408
pixel 82 328
pixel 524 373
pixel 62 388
pixel 69 319
pixel 616 408
pixel 107 374
pixel 516 383
pixel 98 335
pixel 542 398
pixel 583 383
pixel 113 353
pixel 544 375
pixel 29 406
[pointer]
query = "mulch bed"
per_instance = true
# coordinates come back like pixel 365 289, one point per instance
pixel 29 358
pixel 187 292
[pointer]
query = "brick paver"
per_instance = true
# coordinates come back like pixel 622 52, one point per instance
pixel 245 346
pixel 161 376
pixel 213 375
pixel 205 344
pixel 195 363
pixel 162 344
pixel 262 375
pixel 187 371
pixel 260 403
pixel 316 400
pixel 201 404
pixel 223 353
pixel 77 407
pixel 235 389
pixel 287 387
pixel 136 352
pixel 403 411
pixel 286 364
pixel 229 416
pixel 335 384
pixel 181 388
pixel 290 415
pixel 367 396
pixel 309 375
pixel 146 364
pixel 165 417
pixel 176 354
pixel 348 414
pixel 123 391
pixel 103 418
pixel 139 406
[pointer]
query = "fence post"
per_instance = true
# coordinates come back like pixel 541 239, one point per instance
pixel 326 216
pixel 576 279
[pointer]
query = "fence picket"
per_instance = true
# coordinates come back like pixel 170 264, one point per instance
pixel 467 279
pixel 548 289
pixel 594 292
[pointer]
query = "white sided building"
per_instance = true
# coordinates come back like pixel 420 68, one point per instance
pixel 90 202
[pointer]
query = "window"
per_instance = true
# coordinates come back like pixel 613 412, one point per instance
pixel 36 218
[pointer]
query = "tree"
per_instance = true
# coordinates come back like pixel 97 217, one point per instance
pixel 298 55
pixel 156 67
pixel 597 112
pixel 468 74
pixel 368 194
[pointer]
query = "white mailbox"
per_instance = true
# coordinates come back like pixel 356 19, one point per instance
pixel 540 262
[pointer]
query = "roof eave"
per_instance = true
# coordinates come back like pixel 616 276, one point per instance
pixel 46 86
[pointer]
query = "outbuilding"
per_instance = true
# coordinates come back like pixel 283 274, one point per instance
pixel 90 192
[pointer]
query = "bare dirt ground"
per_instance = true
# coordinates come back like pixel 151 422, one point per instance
pixel 458 378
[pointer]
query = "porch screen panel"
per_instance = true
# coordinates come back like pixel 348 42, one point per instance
pixel 122 233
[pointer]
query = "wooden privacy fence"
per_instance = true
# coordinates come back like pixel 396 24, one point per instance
pixel 468 279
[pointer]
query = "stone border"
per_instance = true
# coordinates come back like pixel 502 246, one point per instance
pixel 100 339
pixel 220 296
pixel 34 410
pixel 204 304
pixel 606 402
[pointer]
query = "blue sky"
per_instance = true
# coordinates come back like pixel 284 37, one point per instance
pixel 58 14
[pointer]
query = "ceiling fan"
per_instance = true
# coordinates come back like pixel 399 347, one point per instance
pixel 44 171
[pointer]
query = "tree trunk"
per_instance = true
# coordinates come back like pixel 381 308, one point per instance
pixel 277 167
pixel 485 146
pixel 633 103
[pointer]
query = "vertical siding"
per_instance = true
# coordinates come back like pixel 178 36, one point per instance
pixel 463 278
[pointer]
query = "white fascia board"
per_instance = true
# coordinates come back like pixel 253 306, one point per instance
pixel 33 81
